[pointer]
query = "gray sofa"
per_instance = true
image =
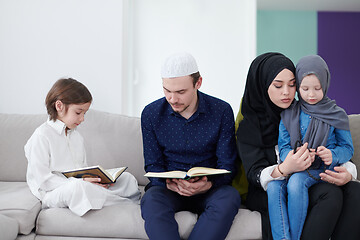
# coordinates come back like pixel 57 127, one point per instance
pixel 111 140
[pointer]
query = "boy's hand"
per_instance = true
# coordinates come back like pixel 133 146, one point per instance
pixel 325 155
pixel 97 182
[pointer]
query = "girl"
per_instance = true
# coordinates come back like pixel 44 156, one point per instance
pixel 321 126
pixel 56 146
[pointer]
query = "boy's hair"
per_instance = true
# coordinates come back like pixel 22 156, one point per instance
pixel 68 91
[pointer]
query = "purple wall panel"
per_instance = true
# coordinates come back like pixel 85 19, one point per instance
pixel 339 45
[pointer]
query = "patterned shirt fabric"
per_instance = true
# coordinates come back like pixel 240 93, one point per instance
pixel 339 141
pixel 206 139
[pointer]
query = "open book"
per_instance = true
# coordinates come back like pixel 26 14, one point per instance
pixel 192 172
pixel 106 175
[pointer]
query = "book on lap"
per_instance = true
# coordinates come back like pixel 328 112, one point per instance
pixel 192 172
pixel 106 175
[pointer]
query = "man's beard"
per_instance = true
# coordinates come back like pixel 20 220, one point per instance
pixel 181 110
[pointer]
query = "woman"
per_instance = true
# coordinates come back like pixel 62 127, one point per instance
pixel 270 88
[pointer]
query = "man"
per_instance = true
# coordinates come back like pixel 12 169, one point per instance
pixel 186 129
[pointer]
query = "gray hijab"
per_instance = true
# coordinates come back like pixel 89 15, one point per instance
pixel 323 114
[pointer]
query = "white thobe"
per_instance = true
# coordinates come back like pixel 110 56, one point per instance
pixel 51 150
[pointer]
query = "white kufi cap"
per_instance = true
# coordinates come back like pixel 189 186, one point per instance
pixel 179 65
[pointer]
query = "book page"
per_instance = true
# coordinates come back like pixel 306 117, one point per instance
pixel 170 174
pixel 115 172
pixel 203 171
pixel 82 168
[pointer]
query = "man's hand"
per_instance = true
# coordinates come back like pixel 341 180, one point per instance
pixel 325 155
pixel 338 177
pixel 189 187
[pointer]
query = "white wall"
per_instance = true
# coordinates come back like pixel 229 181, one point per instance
pixel 116 47
pixel 42 41
pixel 220 34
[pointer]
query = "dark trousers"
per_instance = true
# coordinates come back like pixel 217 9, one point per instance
pixel 348 225
pixel 216 208
pixel 333 212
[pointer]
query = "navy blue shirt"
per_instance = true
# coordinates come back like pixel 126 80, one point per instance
pixel 206 139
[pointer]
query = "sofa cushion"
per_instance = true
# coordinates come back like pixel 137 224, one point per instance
pixel 355 134
pixel 118 221
pixel 17 202
pixel 15 130
pixel 30 236
pixel 41 237
pixel 114 140
pixel 246 225
pixel 8 228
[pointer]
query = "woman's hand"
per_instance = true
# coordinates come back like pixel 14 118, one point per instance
pixel 338 177
pixel 325 155
pixel 299 161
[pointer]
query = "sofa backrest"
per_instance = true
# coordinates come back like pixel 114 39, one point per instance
pixel 15 130
pixel 111 140
pixel 355 134
pixel 114 140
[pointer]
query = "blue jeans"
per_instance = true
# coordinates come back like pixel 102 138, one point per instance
pixel 217 209
pixel 288 202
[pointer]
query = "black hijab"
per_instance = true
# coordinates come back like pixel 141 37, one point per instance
pixel 260 125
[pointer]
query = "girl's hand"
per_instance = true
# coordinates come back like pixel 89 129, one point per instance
pixel 299 161
pixel 325 155
pixel 97 182
pixel 338 177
